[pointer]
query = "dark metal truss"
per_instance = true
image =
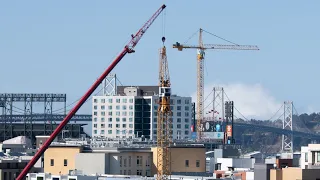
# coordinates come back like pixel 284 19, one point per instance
pixel 44 117
pixel 8 103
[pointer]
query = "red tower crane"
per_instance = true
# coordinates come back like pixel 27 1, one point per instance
pixel 127 49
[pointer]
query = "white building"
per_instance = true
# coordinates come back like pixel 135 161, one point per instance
pixel 133 113
pixel 310 156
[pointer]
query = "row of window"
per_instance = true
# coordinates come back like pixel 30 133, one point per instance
pixel 186 126
pixel 186 120
pixel 186 108
pixel 139 172
pixel 117 113
pixel 123 161
pixel 124 119
pixel 178 114
pixel 118 100
pixel 117 131
pixel 110 125
pixel 186 132
pixel 172 101
pixel 65 162
pixel 103 107
pixel 197 163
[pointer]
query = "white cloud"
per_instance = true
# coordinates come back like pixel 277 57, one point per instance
pixel 252 100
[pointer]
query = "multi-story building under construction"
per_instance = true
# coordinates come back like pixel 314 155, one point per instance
pixel 132 112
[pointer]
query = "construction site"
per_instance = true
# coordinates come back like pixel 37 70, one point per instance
pixel 141 132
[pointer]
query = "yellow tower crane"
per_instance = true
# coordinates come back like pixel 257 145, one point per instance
pixel 200 69
pixel 164 124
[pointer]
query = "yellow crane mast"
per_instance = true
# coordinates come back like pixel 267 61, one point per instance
pixel 200 69
pixel 164 124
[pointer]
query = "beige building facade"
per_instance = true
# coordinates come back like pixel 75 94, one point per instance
pixel 294 174
pixel 124 161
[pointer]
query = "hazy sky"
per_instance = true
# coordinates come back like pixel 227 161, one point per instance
pixel 63 46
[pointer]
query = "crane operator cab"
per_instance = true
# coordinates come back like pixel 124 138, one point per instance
pixel 164 92
pixel 200 54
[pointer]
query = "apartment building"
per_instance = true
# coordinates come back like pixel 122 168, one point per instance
pixel 133 113
pixel 120 159
pixel 310 156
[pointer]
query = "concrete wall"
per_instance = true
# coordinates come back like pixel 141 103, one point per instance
pixel 130 168
pixel 179 157
pixel 91 163
pixel 262 171
pixel 58 154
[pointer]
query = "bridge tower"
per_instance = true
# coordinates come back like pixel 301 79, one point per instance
pixel 110 85
pixel 218 104
pixel 287 140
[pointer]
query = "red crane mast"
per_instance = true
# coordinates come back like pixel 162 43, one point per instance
pixel 127 49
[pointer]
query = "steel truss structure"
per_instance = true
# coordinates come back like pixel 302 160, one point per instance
pixel 110 85
pixel 9 103
pixel 287 140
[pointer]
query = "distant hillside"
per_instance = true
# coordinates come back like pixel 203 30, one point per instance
pixel 257 140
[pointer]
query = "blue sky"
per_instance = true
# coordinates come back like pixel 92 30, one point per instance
pixel 63 46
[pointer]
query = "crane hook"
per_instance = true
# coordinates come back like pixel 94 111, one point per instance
pixel 163 39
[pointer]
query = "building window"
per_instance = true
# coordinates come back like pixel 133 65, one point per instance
pixel 102 125
pixel 186 120
pixel 102 132
pixel 186 126
pixel 95 125
pixel 51 162
pixel 117 100
pixel 186 114
pixel 124 119
pixel 124 100
pixel 131 107
pixel 139 160
pixel 120 161
pixel 186 132
pixel 178 126
pixel 109 131
pixel 117 119
pixel 95 131
pixel 198 163
pixel 95 100
pixel 186 108
pixel 95 107
pixel 109 119
pixel 124 172
pixel 110 107
pixel 124 125
pixel 103 107
pixel 129 172
pixel 179 120
pixel 179 108
pixel 187 163
pixel 139 172
pixel 178 114
pixel 130 113
pixel 95 119
pixel 125 162
pixel 306 157
pixel 130 119
pixel 110 113
pixel 120 172
pixel 103 113
pixel 130 132
pixel 187 101
pixel 124 113
pixel 103 100
pixel 124 107
pixel 117 107
pixel 65 162
pixel 318 156
pixel 95 113
pixel 130 100
pixel 129 163
pixel 110 100
pixel 117 125
pixel 179 101
pixel 118 132
pixel 118 113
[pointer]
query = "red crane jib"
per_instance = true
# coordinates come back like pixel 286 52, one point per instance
pixel 127 49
